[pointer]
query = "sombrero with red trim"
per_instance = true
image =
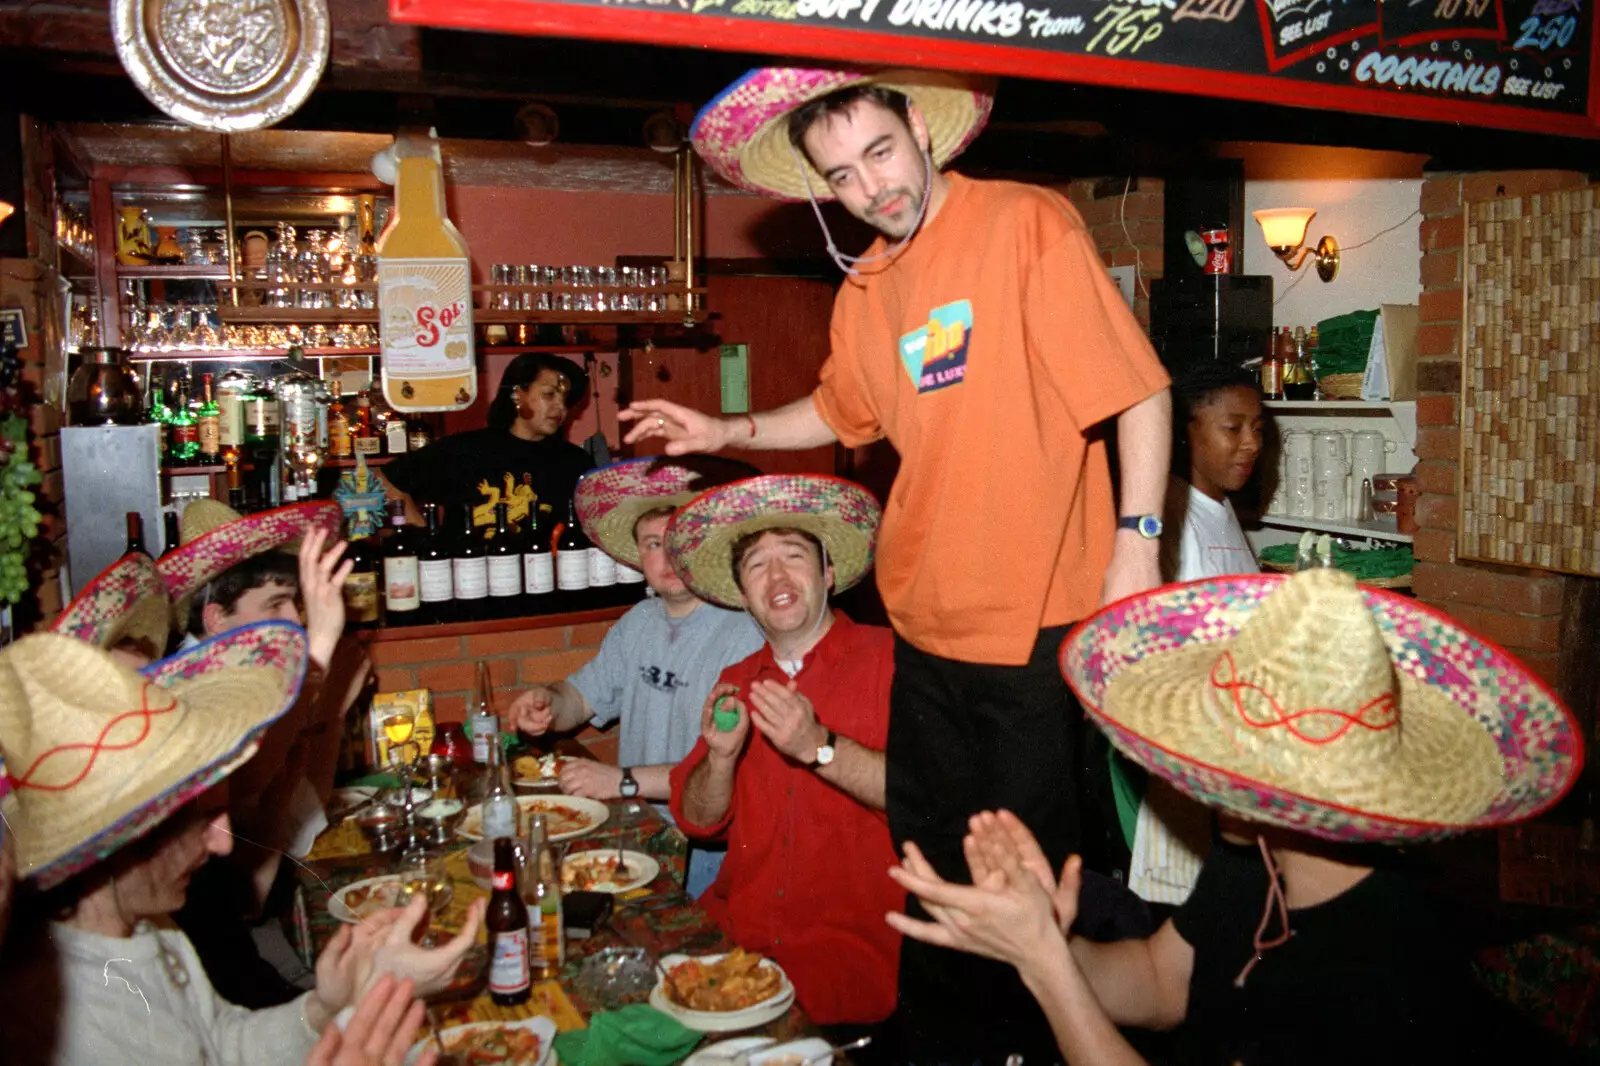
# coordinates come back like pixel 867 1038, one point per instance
pixel 743 134
pixel 1332 709
pixel 98 755
pixel 610 500
pixel 213 538
pixel 125 601
pixel 839 513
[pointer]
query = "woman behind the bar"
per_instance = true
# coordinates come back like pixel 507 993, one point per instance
pixel 521 458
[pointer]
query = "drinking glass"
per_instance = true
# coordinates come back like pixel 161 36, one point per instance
pixel 422 874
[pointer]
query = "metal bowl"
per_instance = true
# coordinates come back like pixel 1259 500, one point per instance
pixel 384 829
pixel 437 819
pixel 616 975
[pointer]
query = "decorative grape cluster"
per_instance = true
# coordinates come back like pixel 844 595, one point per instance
pixel 19 518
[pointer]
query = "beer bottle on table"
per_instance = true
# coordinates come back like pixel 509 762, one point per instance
pixel 541 891
pixel 505 568
pixel 538 566
pixel 435 583
pixel 402 597
pixel 507 922
pixel 470 570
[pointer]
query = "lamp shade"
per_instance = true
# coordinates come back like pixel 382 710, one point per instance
pixel 1285 227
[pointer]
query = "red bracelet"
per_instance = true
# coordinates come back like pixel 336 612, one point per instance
pixel 752 422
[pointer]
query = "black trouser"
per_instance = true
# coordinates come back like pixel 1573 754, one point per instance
pixel 967 737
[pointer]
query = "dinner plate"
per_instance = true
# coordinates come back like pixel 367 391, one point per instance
pixel 586 815
pixel 723 1050
pixel 642 870
pixel 709 1021
pixel 344 801
pixel 794 1053
pixel 544 1027
pixel 342 910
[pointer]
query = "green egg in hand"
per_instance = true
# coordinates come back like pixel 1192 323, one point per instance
pixel 725 721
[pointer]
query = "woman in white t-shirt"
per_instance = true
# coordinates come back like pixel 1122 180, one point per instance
pixel 1217 412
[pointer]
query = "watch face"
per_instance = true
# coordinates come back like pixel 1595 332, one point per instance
pixel 1150 526
pixel 825 755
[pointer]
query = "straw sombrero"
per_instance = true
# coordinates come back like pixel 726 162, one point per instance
pixel 743 134
pixel 213 538
pixel 125 601
pixel 1311 703
pixel 611 499
pixel 839 513
pixel 98 754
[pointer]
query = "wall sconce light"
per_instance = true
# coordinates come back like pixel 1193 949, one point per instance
pixel 5 211
pixel 1285 231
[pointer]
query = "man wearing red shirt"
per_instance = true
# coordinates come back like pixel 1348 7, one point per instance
pixel 794 779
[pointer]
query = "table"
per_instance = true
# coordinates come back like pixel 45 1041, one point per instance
pixel 661 918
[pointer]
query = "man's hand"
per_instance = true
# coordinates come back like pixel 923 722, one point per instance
pixel 533 712
pixel 380 1033
pixel 725 747
pixel 322 591
pixel 787 719
pixel 591 779
pixel 1135 567
pixel 685 430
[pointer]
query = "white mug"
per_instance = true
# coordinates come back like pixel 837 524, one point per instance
pixel 1330 473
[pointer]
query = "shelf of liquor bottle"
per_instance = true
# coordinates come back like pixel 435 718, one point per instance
pixel 73 266
pixel 294 315
pixel 218 467
pixel 334 316
pixel 1338 406
pixel 1383 527
pixel 196 355
pixel 492 625
pixel 348 464
pixel 174 271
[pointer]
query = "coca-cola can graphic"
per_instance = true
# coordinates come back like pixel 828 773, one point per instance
pixel 1219 251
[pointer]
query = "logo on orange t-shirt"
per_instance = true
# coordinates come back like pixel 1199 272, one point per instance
pixel 935 355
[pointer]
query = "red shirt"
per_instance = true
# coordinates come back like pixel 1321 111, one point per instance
pixel 806 880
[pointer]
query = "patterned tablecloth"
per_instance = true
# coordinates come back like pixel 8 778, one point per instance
pixel 660 917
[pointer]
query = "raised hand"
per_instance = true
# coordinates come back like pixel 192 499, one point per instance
pixel 322 591
pixel 533 711
pixel 380 1033
pixel 429 968
pixel 685 430
pixel 787 719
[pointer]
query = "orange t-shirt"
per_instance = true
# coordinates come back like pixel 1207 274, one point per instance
pixel 986 351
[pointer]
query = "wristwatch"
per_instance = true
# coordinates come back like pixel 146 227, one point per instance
pixel 630 787
pixel 825 752
pixel 1147 526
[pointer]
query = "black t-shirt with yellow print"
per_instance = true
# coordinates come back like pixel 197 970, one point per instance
pixel 483 467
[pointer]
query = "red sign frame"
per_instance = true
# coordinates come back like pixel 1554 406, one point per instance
pixel 868 47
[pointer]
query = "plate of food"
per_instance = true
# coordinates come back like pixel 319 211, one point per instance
pixel 538 771
pixel 596 871
pixel 528 1042
pixel 722 993
pixel 566 816
pixel 359 901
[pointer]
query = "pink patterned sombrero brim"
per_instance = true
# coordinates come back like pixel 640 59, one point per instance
pixel 125 601
pixel 839 513
pixel 279 646
pixel 611 499
pixel 195 564
pixel 1541 750
pixel 743 133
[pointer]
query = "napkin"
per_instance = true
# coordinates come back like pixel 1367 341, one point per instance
pixel 635 1035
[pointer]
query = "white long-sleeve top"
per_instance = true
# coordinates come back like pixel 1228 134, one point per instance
pixel 91 1000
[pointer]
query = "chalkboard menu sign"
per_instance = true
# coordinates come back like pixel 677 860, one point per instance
pixel 1520 64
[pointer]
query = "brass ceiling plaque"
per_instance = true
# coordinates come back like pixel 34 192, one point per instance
pixel 223 65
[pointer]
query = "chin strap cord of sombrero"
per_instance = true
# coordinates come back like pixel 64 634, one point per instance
pixel 1274 895
pixel 847 263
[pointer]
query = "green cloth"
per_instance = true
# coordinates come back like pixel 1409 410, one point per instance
pixel 635 1035
pixel 1344 342
pixel 373 781
pixel 1365 565
pixel 1127 792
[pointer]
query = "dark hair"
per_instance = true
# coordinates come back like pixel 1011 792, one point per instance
pixel 808 114
pixel 268 568
pixel 523 371
pixel 654 512
pixel 745 541
pixel 1195 386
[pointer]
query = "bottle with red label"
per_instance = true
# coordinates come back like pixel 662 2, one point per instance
pixel 507 923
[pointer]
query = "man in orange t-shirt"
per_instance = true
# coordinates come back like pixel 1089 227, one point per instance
pixel 989 350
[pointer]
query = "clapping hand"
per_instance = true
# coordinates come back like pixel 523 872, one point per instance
pixel 394 951
pixel 378 1034
pixel 787 719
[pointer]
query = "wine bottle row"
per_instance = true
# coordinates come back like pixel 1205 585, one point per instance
pixel 426 575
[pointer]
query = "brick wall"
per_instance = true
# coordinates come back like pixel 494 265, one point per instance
pixel 1520 609
pixel 1127 230
pixel 447 667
